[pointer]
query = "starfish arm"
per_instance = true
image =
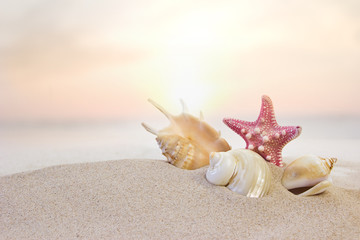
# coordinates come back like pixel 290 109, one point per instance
pixel 272 153
pixel 288 133
pixel 276 157
pixel 273 150
pixel 267 113
pixel 240 127
pixel 278 161
pixel 265 136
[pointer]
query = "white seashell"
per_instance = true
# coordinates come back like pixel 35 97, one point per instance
pixel 188 141
pixel 241 170
pixel 308 175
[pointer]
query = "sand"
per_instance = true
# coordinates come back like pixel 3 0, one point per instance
pixel 151 199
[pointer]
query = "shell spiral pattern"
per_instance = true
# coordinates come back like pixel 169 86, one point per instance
pixel 242 171
pixel 188 141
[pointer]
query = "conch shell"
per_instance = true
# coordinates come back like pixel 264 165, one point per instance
pixel 188 141
pixel 241 170
pixel 308 175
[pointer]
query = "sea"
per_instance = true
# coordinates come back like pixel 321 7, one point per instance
pixel 26 146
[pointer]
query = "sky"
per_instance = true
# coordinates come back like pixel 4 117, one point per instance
pixel 101 60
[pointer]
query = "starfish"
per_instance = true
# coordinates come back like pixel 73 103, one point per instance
pixel 265 136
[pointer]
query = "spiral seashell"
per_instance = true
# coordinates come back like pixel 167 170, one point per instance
pixel 241 170
pixel 188 141
pixel 308 175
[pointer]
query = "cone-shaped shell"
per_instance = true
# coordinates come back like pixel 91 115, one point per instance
pixel 241 170
pixel 311 172
pixel 188 141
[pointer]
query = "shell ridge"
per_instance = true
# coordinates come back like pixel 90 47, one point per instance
pixel 258 184
pixel 260 188
pixel 189 157
pixel 188 141
pixel 251 176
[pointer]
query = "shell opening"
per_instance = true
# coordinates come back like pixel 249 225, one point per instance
pixel 312 190
pixel 298 191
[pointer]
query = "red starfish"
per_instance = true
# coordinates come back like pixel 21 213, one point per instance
pixel 265 136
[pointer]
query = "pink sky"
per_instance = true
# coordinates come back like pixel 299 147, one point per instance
pixel 102 60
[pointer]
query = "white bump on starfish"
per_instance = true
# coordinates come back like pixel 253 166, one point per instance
pixel 265 138
pixel 243 130
pixel 257 130
pixel 261 148
pixel 277 135
pixel 248 136
pixel 251 147
pixel 268 157
pixel 283 132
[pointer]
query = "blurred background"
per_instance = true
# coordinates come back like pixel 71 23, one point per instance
pixel 75 76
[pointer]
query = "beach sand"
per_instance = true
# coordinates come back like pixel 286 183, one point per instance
pixel 151 199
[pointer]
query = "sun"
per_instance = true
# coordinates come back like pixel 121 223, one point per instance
pixel 187 47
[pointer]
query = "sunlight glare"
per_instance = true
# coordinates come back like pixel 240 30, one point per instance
pixel 190 41
pixel 194 94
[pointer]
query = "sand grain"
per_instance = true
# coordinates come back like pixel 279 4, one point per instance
pixel 150 199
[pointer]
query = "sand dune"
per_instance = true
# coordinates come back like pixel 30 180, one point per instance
pixel 150 199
